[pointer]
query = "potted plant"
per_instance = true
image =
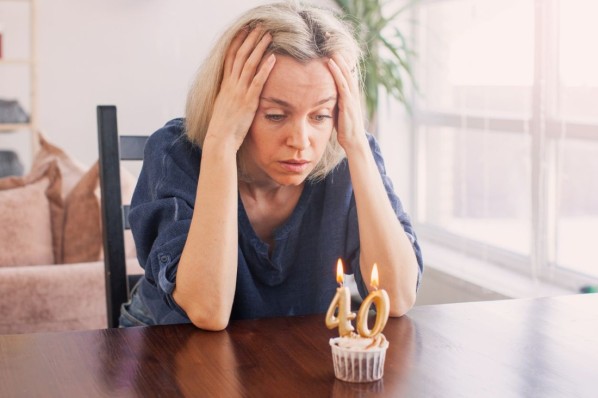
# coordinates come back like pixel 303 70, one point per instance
pixel 386 58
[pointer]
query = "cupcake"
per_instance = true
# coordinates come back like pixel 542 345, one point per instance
pixel 359 359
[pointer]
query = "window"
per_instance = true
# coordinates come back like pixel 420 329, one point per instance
pixel 506 132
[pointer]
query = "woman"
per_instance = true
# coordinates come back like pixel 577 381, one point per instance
pixel 242 209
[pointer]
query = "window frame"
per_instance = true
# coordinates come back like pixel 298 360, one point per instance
pixel 545 128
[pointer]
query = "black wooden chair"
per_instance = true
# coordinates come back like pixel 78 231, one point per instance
pixel 114 148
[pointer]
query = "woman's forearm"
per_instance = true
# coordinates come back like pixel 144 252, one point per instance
pixel 207 273
pixel 206 276
pixel 382 237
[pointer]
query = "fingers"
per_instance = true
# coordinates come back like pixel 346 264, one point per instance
pixel 245 50
pixel 238 40
pixel 262 75
pixel 349 122
pixel 343 75
pixel 251 65
pixel 245 73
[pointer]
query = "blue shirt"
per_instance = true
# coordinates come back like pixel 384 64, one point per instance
pixel 300 275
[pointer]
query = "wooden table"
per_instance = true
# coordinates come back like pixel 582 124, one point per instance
pixel 516 348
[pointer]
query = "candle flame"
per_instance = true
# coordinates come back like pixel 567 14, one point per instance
pixel 339 271
pixel 374 279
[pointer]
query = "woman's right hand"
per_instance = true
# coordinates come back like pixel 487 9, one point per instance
pixel 206 276
pixel 242 83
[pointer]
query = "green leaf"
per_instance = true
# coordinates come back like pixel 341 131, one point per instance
pixel 387 55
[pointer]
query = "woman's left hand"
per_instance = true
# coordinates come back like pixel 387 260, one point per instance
pixel 382 238
pixel 349 120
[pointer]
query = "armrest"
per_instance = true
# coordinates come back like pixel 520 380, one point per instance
pixel 52 297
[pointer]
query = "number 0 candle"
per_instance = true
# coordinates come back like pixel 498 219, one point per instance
pixel 381 300
pixel 342 301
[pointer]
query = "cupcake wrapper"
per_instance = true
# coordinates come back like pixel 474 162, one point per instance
pixel 358 366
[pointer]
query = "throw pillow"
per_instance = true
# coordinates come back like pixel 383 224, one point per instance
pixel 31 212
pixel 83 219
pixel 70 169
pixel 82 231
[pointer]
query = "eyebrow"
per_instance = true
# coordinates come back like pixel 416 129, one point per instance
pixel 287 105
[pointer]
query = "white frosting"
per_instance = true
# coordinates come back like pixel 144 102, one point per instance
pixel 358 343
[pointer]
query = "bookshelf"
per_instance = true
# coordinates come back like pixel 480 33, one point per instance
pixel 18 79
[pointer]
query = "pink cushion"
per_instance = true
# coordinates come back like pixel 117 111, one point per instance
pixel 82 221
pixel 82 231
pixel 70 169
pixel 31 214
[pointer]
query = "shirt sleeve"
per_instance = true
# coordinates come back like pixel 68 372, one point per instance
pixel 162 206
pixel 402 216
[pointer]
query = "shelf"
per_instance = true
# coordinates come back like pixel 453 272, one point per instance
pixel 7 127
pixel 22 29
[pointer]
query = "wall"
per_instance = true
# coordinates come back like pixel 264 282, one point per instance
pixel 138 55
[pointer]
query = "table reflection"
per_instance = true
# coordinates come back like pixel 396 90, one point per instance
pixel 206 357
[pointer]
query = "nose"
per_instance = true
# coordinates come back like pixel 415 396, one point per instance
pixel 298 137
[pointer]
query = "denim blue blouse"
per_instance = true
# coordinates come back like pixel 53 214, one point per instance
pixel 300 275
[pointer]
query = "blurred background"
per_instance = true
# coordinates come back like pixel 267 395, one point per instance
pixel 493 150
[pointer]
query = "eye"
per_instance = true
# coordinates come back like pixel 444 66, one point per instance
pixel 322 118
pixel 275 117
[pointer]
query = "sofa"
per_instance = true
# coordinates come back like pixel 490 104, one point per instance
pixel 51 260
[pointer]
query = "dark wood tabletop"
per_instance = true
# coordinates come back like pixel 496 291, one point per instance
pixel 545 347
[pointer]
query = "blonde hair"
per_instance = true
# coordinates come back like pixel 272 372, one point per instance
pixel 303 32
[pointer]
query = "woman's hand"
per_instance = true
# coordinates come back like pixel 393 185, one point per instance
pixel 382 238
pixel 241 86
pixel 204 291
pixel 349 125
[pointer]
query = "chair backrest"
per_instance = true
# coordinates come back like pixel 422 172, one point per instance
pixel 112 149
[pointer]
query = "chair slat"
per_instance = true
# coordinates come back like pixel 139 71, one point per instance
pixel 132 146
pixel 126 210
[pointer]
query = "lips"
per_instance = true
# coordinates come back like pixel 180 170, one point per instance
pixel 294 165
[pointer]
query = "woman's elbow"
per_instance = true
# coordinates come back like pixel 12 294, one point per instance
pixel 402 304
pixel 210 322
pixel 210 317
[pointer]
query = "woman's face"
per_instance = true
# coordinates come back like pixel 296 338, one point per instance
pixel 293 123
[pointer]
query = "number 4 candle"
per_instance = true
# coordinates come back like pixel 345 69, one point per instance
pixel 342 301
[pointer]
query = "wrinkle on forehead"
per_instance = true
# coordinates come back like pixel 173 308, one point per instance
pixel 287 105
pixel 295 84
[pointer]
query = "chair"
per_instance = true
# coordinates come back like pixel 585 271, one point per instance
pixel 112 149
